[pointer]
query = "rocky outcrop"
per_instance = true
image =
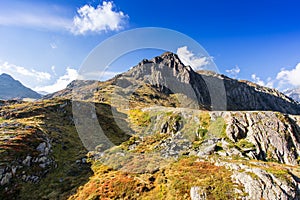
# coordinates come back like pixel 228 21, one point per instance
pixel 276 136
pixel 21 167
pixel 39 146
pixel 261 149
pixel 209 90
pixel 261 181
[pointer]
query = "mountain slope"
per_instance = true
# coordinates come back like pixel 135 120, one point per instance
pixel 13 89
pixel 187 152
pixel 150 133
pixel 165 78
pixel 183 153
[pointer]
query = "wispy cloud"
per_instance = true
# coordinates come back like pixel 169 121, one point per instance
pixel 99 19
pixel 233 72
pixel 189 58
pixel 289 77
pixel 60 83
pixel 28 76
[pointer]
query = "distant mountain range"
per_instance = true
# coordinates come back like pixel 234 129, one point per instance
pixel 13 89
pixel 293 93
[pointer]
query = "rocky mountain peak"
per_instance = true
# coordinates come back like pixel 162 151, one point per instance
pixel 6 77
pixel 170 56
pixel 167 59
pixel 13 89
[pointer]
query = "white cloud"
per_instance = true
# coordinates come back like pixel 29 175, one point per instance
pixel 269 83
pixel 291 77
pixel 27 76
pixel 39 81
pixel 43 16
pixel 101 18
pixel 234 71
pixel 61 82
pixel 188 58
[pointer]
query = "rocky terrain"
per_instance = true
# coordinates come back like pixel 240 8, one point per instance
pixel 13 89
pixel 166 132
pixel 41 156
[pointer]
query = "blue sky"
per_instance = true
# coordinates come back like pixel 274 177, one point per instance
pixel 43 43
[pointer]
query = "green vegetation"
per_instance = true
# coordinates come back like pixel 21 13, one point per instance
pixel 253 175
pixel 204 120
pixel 244 144
pixel 202 132
pixel 135 167
pixel 279 172
pixel 172 182
pixel 146 95
pixel 139 117
pixel 150 142
pixel 218 128
pixel 29 125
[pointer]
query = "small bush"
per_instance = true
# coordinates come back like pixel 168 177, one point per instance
pixel 139 117
pixel 218 128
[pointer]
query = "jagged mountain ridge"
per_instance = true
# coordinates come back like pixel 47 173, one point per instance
pixel 13 89
pixel 167 75
pixel 167 72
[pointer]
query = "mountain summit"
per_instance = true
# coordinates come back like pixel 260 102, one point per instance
pixel 211 91
pixel 166 81
pixel 13 89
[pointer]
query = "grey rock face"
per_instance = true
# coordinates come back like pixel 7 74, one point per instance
pixel 209 90
pixel 174 145
pixel 276 136
pixel 6 178
pixel 261 184
pixel 17 169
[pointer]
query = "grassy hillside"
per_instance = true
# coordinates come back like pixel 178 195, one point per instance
pixel 157 153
